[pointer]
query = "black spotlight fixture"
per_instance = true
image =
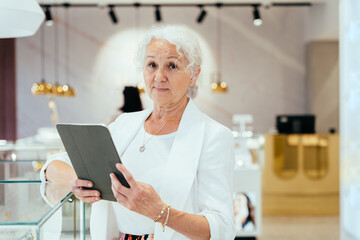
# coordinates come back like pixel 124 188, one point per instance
pixel 112 14
pixel 49 20
pixel 257 19
pixel 157 13
pixel 202 14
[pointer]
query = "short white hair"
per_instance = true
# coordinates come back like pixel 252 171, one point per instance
pixel 185 42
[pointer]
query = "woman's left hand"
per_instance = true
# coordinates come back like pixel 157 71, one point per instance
pixel 140 197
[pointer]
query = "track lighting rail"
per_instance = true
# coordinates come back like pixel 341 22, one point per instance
pixel 111 6
pixel 195 4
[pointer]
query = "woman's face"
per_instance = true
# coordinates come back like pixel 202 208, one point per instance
pixel 166 75
pixel 240 206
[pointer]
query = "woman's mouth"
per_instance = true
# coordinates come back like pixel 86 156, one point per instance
pixel 159 89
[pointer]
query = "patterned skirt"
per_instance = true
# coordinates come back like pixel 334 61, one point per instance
pixel 137 237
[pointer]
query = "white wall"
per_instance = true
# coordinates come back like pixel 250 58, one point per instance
pixel 350 118
pixel 323 83
pixel 322 21
pixel 263 66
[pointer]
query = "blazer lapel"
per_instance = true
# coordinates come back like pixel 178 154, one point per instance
pixel 182 164
pixel 128 130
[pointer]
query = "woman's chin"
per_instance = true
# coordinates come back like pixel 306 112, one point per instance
pixel 162 100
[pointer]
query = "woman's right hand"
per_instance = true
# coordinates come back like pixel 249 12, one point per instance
pixel 85 195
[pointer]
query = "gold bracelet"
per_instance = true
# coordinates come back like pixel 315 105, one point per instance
pixel 167 218
pixel 161 213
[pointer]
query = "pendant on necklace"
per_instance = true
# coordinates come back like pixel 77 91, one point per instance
pixel 142 148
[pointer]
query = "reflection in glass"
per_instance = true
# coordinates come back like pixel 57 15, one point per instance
pixel 25 214
pixel 244 212
pixel 286 157
pixel 315 156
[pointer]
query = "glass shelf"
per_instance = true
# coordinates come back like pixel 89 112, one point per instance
pixel 249 151
pixel 26 214
pixel 20 170
pixel 22 203
pixel 29 149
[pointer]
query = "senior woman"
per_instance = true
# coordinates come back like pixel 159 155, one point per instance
pixel 177 161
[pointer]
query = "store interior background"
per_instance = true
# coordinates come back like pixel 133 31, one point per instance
pixel 289 65
pixel 264 67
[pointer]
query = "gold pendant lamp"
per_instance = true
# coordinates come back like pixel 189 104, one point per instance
pixel 67 90
pixel 140 86
pixel 43 87
pixel 57 88
pixel 217 85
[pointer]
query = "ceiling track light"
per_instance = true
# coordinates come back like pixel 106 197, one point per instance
pixel 238 3
pixel 157 13
pixel 257 19
pixel 112 14
pixel 49 20
pixel 202 14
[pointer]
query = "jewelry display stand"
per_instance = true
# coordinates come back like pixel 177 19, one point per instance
pixel 249 156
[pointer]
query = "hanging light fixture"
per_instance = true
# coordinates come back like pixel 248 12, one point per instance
pixel 219 87
pixel 140 86
pixel 49 20
pixel 42 88
pixel 217 84
pixel 68 91
pixel 157 13
pixel 57 88
pixel 112 14
pixel 257 18
pixel 20 18
pixel 202 14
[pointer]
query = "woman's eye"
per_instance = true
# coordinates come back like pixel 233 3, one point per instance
pixel 172 65
pixel 152 65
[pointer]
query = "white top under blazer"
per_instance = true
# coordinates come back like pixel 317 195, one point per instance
pixel 196 175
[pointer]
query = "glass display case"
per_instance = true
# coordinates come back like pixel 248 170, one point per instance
pixel 30 209
pixel 25 213
pixel 20 170
pixel 22 160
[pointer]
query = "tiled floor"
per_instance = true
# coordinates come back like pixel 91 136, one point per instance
pixel 300 228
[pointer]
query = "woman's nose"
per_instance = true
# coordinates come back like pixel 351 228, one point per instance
pixel 160 75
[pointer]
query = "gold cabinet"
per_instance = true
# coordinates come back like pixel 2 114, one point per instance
pixel 301 174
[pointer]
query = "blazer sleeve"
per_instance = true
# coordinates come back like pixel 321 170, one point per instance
pixel 59 157
pixel 215 179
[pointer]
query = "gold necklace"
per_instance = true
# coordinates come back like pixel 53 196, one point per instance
pixel 145 141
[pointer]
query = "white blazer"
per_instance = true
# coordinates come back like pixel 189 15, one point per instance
pixel 201 158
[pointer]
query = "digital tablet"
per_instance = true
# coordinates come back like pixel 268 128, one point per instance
pixel 93 155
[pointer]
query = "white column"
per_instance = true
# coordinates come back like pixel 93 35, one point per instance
pixel 350 118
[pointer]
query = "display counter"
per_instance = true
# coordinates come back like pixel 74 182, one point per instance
pixel 301 174
pixel 28 214
pixel 30 209
pixel 20 170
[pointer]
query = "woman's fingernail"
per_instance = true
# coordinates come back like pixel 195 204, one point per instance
pixel 89 184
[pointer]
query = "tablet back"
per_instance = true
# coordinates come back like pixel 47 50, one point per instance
pixel 93 155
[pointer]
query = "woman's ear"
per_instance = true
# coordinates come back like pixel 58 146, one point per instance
pixel 195 77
